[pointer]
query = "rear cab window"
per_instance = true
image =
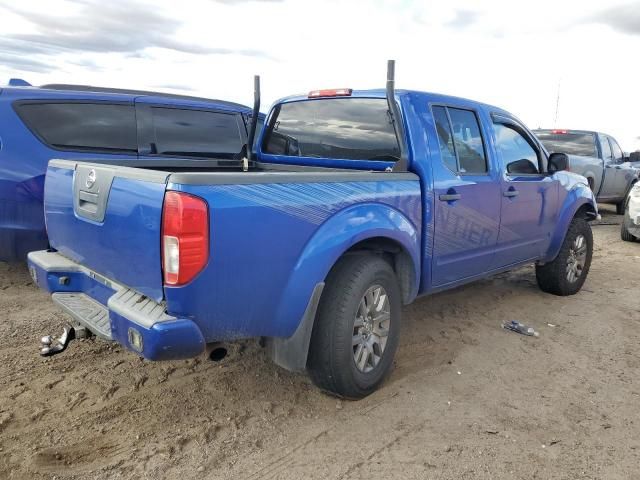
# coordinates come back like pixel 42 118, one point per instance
pixel 332 128
pixel 89 127
pixel 571 143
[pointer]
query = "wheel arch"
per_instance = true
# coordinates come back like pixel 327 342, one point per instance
pixel 362 229
pixel 579 203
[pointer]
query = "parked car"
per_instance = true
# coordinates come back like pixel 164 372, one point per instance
pixel 630 228
pixel 102 125
pixel 599 158
pixel 359 202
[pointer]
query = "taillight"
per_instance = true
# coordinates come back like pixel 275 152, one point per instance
pixel 185 237
pixel 559 132
pixel 334 92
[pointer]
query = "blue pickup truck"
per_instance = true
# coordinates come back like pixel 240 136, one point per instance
pixel 354 204
pixel 101 125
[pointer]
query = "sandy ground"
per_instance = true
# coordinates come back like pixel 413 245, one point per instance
pixel 467 400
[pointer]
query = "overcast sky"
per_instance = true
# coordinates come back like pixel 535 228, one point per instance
pixel 516 55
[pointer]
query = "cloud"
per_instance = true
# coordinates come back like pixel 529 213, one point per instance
pixel 464 19
pixel 111 26
pixel 623 18
pixel 24 64
pixel 175 86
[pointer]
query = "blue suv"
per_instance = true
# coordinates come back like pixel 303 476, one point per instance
pixel 128 127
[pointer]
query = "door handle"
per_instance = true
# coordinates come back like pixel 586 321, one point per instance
pixel 449 197
pixel 511 193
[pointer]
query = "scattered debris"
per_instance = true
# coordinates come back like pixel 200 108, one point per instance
pixel 551 325
pixel 521 328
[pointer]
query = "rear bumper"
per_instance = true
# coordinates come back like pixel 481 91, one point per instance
pixel 113 311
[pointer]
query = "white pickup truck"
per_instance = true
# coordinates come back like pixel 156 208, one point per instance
pixel 599 158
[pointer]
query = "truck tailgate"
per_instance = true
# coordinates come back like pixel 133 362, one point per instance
pixel 108 219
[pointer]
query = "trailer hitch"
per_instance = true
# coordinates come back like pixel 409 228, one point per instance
pixel 52 346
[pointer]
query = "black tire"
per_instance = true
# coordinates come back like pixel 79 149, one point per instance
pixel 620 207
pixel 331 363
pixel 624 232
pixel 552 277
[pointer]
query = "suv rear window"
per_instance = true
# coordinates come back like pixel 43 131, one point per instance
pixel 197 133
pixel 570 143
pixel 338 128
pixel 82 126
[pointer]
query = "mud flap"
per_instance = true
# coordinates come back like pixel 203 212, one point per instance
pixel 291 353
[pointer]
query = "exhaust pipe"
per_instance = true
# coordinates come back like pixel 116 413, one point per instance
pixel 216 352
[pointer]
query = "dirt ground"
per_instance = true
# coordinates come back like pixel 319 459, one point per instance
pixel 467 399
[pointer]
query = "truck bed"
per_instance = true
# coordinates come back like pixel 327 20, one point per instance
pixel 264 224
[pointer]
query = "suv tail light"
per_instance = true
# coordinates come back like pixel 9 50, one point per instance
pixel 185 237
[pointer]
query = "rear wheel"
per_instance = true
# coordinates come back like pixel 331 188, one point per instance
pixel 356 332
pixel 566 274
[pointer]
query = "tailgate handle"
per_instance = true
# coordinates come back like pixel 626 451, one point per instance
pixel 91 188
pixel 88 201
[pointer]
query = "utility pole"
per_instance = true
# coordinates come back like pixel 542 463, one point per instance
pixel 555 120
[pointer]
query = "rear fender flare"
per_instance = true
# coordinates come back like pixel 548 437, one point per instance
pixel 337 235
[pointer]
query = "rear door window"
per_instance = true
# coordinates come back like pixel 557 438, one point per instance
pixel 445 139
pixel 82 126
pixel 344 128
pixel 197 133
pixel 606 148
pixel 468 141
pixel 461 144
pixel 617 151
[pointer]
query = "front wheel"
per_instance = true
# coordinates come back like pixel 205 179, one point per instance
pixel 566 274
pixel 356 332
pixel 625 235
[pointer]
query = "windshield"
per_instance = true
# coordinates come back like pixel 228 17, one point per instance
pixel 583 144
pixel 335 128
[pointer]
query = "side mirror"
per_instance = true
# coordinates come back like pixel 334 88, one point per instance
pixel 522 167
pixel 557 162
